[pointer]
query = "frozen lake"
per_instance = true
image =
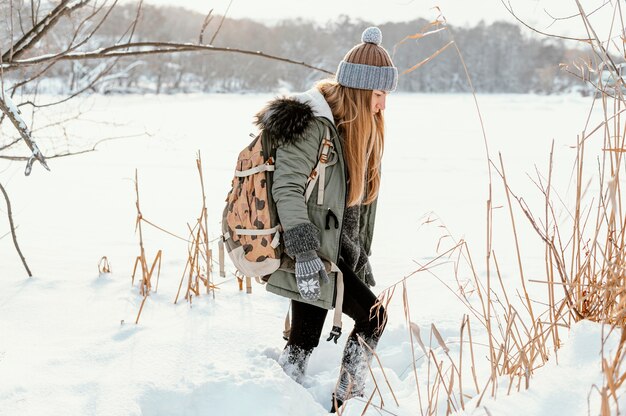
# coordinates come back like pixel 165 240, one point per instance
pixel 435 162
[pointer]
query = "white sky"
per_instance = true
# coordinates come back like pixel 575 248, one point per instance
pixel 457 12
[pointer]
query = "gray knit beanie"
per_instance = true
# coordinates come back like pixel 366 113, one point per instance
pixel 368 66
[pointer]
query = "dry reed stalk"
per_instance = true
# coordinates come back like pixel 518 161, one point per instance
pixel 591 274
pixel 516 240
pixel 180 285
pixel 431 28
pixel 489 219
pixel 381 304
pixel 146 275
pixel 369 400
pixel 439 381
pixel 524 347
pixel 595 283
pixel 429 390
pixel 484 390
pixel 220 245
pixel 485 300
pixel 199 265
pixel 450 407
pixel 192 260
pixel 471 344
pixel 413 332
pixel 439 377
pixel 439 339
pixel 104 266
pixel 548 256
pixel 362 343
pixel 515 362
pixel 461 361
pixel 240 279
pixel 208 255
pixel 521 347
pixel 423 32
pixel 426 60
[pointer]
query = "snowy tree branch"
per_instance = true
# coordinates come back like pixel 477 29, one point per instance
pixel 30 38
pixel 134 49
pixel 13 113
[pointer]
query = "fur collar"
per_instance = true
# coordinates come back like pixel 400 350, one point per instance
pixel 287 118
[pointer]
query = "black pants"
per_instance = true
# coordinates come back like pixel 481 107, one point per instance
pixel 307 320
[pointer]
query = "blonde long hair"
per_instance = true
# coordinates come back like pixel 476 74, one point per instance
pixel 364 138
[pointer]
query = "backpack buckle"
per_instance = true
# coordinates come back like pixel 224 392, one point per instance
pixel 325 151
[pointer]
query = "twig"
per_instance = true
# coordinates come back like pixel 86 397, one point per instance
pixel 206 22
pixel 221 23
pixel 509 8
pixel 40 29
pixel 12 225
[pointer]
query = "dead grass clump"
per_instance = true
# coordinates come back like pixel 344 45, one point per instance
pixel 585 250
pixel 584 258
pixel 145 286
pixel 199 266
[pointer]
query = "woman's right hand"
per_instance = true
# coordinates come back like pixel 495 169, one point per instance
pixel 309 271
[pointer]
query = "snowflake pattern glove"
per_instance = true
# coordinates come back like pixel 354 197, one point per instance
pixel 309 271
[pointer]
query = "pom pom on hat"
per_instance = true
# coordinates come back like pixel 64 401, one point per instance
pixel 372 35
pixel 368 66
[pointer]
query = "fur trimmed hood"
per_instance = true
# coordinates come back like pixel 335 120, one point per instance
pixel 287 118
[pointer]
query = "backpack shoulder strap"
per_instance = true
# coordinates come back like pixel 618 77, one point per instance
pixel 319 172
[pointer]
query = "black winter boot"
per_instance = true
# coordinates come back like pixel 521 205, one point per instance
pixel 294 361
pixel 354 369
pixel 335 404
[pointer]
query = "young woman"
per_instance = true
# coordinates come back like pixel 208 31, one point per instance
pixel 327 210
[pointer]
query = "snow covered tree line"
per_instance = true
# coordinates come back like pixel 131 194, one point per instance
pixel 500 57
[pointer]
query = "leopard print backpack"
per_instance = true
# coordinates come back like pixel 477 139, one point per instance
pixel 251 230
pixel 250 226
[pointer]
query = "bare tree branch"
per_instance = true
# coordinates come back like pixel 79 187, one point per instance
pixel 136 21
pixel 17 85
pixel 124 50
pixel 92 83
pixel 555 19
pixel 509 8
pixel 70 47
pixel 34 11
pixel 79 152
pixel 6 146
pixel 13 113
pixel 40 29
pixel 10 33
pixel 12 225
pixel 87 21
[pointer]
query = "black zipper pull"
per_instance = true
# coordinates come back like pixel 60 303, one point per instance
pixel 330 214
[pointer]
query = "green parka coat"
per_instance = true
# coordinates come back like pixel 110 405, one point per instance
pixel 297 125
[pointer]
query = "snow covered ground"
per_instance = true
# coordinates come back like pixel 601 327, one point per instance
pixel 68 342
